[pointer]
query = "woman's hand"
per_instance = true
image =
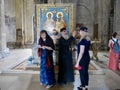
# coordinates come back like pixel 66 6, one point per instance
pixel 47 47
pixel 77 64
pixel 39 46
pixel 43 47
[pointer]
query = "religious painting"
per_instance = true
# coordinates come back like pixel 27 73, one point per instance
pixel 53 17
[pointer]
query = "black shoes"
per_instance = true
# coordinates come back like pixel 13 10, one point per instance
pixel 63 84
pixel 81 88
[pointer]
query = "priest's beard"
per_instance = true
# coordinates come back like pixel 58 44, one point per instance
pixel 65 36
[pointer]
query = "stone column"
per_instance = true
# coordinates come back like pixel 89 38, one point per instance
pixel 18 14
pixel 103 21
pixel 3 46
pixel 27 13
pixel 111 19
pixel 23 20
pixel 100 18
pixel 116 27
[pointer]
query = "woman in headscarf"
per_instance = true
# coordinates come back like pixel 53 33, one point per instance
pixel 47 74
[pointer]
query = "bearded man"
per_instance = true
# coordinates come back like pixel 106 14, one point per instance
pixel 65 63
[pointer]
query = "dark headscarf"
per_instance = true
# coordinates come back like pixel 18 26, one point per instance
pixel 49 41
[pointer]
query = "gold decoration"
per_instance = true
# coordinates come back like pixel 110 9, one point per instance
pixel 66 10
pixel 44 9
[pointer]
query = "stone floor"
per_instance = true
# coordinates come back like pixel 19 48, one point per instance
pixel 9 80
pixel 16 56
pixel 109 81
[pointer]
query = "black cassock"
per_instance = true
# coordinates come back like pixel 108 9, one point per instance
pixel 65 63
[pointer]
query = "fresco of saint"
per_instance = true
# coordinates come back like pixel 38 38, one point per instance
pixel 49 23
pixel 60 23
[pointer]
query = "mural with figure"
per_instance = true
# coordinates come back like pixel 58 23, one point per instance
pixel 53 17
pixel 49 23
pixel 60 23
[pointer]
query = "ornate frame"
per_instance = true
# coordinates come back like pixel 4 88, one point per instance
pixel 69 6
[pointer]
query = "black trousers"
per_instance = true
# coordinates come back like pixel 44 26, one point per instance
pixel 84 77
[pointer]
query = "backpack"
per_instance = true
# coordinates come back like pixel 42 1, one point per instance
pixel 116 47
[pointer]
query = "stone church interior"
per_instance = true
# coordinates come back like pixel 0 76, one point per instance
pixel 21 22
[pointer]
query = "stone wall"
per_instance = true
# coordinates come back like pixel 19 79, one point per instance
pixel 10 22
pixel 84 14
pixel 20 15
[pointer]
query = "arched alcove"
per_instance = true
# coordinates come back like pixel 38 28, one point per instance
pixel 84 17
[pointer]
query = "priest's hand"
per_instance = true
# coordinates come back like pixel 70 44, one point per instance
pixel 74 33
